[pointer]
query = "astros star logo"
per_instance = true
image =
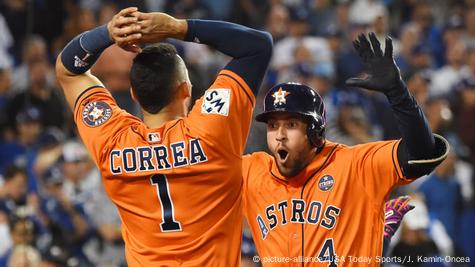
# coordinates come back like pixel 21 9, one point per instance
pixel 279 96
pixel 95 114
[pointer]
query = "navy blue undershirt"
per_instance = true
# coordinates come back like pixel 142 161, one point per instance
pixel 250 49
pixel 418 142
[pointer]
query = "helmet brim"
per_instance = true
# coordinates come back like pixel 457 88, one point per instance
pixel 264 116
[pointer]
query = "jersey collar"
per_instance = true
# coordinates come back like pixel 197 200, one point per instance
pixel 150 135
pixel 319 161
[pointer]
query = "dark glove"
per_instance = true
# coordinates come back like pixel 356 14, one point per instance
pixel 382 72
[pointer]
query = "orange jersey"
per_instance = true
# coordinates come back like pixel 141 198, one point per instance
pixel 177 187
pixel 332 210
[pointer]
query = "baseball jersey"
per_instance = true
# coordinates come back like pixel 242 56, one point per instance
pixel 177 187
pixel 330 214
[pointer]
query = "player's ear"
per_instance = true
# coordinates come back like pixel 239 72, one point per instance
pixel 184 90
pixel 132 94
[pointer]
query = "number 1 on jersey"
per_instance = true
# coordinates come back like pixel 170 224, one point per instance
pixel 169 224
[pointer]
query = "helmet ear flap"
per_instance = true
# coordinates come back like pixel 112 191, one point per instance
pixel 315 134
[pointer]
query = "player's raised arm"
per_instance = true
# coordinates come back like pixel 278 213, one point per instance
pixel 420 150
pixel 74 62
pixel 250 49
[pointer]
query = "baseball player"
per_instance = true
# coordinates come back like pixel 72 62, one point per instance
pixel 312 202
pixel 175 177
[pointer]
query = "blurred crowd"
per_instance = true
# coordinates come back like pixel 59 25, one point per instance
pixel 53 208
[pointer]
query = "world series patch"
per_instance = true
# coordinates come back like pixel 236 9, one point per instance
pixel 216 101
pixel 326 182
pixel 96 113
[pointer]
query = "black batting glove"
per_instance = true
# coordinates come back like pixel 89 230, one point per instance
pixel 382 72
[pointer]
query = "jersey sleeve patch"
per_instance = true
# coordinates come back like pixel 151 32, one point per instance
pixel 216 101
pixel 96 113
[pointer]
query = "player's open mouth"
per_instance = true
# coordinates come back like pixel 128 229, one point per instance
pixel 282 154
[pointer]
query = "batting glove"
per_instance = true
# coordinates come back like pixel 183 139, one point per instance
pixel 395 209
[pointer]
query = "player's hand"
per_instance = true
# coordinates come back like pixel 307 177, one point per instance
pixel 157 26
pixel 3 218
pixel 394 211
pixel 124 29
pixel 382 72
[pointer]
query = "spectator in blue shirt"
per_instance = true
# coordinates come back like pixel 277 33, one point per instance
pixel 13 190
pixel 28 128
pixel 443 197
pixel 68 224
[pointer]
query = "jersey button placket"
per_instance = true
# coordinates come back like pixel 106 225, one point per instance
pixel 295 242
pixel 294 246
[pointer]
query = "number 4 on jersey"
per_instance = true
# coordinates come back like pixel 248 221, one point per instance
pixel 169 224
pixel 327 253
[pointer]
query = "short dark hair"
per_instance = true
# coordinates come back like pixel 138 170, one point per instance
pixel 153 75
pixel 12 170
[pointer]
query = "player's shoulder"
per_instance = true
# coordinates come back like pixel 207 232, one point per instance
pixel 374 145
pixel 91 94
pixel 231 81
pixel 255 162
pixel 229 77
pixel 259 157
pixel 255 169
pixel 332 148
pixel 369 149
